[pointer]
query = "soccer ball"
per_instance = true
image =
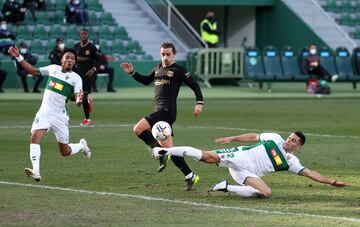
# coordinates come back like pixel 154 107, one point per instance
pixel 161 130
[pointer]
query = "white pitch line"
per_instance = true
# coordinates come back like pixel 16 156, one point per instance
pixel 194 127
pixel 182 202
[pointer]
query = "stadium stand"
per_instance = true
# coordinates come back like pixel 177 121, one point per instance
pixel 50 25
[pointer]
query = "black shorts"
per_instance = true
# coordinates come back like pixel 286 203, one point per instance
pixel 160 115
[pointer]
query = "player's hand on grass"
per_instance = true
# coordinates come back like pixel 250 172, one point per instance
pixel 127 67
pixel 336 183
pixel 197 110
pixel 223 140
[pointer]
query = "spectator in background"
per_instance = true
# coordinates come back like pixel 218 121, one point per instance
pixel 13 12
pixel 3 75
pixel 31 6
pixel 41 5
pixel 23 74
pixel 75 13
pixel 209 30
pixel 312 66
pixel 7 38
pixel 55 54
pixel 104 68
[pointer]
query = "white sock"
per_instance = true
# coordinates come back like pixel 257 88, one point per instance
pixel 35 153
pixel 244 191
pixel 185 152
pixel 75 147
pixel 190 175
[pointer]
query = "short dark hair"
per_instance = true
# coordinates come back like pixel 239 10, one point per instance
pixel 84 30
pixel 67 50
pixel 168 45
pixel 301 137
pixel 312 44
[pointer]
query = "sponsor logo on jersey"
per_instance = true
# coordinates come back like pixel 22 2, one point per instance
pixel 276 157
pixel 56 85
pixel 161 82
pixel 87 52
pixel 170 73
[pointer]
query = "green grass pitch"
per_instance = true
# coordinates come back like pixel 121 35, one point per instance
pixel 119 185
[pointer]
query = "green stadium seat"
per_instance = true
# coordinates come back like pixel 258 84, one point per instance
pixel 271 61
pixel 73 32
pixel 253 65
pixel 107 19
pixel 37 47
pixel 356 64
pixel 105 33
pixel 303 53
pixel 120 33
pixel 94 19
pixel 55 32
pixel 69 43
pixel 146 57
pixel 40 33
pixel 118 47
pixel 289 64
pixel 44 18
pixel 94 5
pixel 134 47
pixel 104 47
pixel 60 5
pixel 24 32
pixel 343 63
pixel 59 17
pixel 131 57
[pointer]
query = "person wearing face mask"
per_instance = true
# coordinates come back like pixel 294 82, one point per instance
pixel 104 68
pixel 312 66
pixel 209 30
pixel 23 49
pixel 75 13
pixel 13 12
pixel 7 38
pixel 55 54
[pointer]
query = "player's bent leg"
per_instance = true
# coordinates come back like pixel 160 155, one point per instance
pixel 74 148
pixel 260 185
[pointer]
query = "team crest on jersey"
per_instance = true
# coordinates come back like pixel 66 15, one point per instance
pixel 187 74
pixel 87 52
pixel 56 85
pixel 170 73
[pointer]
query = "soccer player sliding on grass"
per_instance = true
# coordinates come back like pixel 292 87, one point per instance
pixel 62 85
pixel 247 164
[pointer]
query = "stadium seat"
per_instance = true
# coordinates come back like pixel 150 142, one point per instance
pixel 272 63
pixel 94 5
pixel 253 66
pixel 107 19
pixel 40 33
pixel 146 57
pixel 356 64
pixel 327 60
pixel 37 47
pixel 343 63
pixel 303 53
pixel 134 47
pixel 73 32
pixel 118 47
pixel 289 62
pixel 55 32
pixel 94 19
pixel 120 33
pixel 44 18
pixel 24 32
pixel 105 33
pixel 60 5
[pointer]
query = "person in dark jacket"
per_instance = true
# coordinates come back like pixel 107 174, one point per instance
pixel 13 12
pixel 104 68
pixel 23 74
pixel 55 54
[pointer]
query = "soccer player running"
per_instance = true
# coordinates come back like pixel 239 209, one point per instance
pixel 248 163
pixel 62 84
pixel 167 77
pixel 87 57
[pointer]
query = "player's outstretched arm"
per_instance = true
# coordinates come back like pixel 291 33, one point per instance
pixel 14 51
pixel 79 97
pixel 248 137
pixel 313 175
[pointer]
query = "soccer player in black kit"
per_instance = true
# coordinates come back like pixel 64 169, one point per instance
pixel 87 56
pixel 167 77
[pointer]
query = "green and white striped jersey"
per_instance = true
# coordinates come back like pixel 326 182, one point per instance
pixel 59 87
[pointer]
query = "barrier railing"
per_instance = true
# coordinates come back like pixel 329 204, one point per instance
pixel 211 63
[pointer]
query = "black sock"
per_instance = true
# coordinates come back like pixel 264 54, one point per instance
pixel 86 108
pixel 181 164
pixel 147 137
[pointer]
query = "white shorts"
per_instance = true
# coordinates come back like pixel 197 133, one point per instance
pixel 58 123
pixel 238 164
